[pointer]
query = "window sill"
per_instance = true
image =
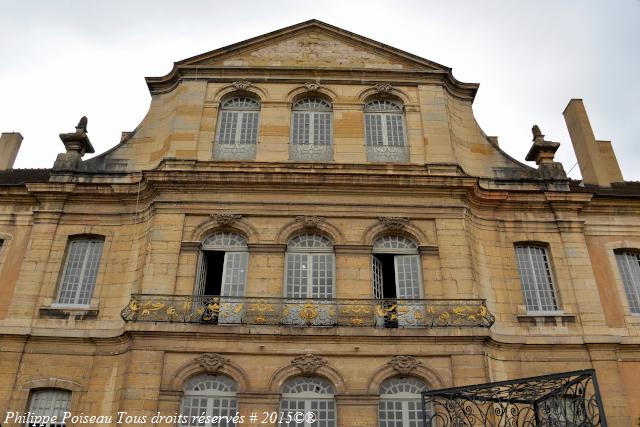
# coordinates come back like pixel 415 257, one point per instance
pixel 547 319
pixel 77 312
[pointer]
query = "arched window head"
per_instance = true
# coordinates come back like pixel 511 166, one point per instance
pixel 310 268
pixel 209 395
pixel 224 240
pixel 395 244
pixel 237 133
pixel 536 278
pixel 311 133
pixel 629 266
pixel 400 402
pixel 385 132
pixel 309 394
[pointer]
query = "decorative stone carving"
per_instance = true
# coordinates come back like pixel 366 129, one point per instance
pixel 226 220
pixel 543 152
pixel 211 362
pixel 76 144
pixel 404 365
pixel 308 363
pixel 383 87
pixel 241 84
pixel 310 221
pixel 312 86
pixel 394 223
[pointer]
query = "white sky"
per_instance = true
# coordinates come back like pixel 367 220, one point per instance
pixel 64 59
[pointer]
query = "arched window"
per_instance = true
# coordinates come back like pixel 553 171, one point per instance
pixel 309 394
pixel 80 271
pixel 384 131
pixel 237 133
pixel 629 266
pixel 222 265
pixel 48 403
pixel 211 395
pixel 311 130
pixel 310 267
pixel 536 278
pixel 400 402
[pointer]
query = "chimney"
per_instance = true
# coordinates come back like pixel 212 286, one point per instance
pixel 597 161
pixel 9 146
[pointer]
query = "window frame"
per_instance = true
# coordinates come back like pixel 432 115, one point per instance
pixel 239 246
pixel 310 253
pixel 384 129
pixel 211 396
pixel 63 273
pixel 312 113
pixel 53 390
pixel 397 252
pixel 403 398
pixel 634 310
pixel 237 140
pixel 539 311
pixel 308 398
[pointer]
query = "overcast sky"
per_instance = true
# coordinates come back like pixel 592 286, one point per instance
pixel 64 59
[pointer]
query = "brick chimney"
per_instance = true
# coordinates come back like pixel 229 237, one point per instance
pixel 9 146
pixel 597 161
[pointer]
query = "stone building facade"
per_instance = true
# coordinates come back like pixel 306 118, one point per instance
pixel 312 220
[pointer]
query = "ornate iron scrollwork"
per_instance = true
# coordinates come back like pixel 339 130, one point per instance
pixel 225 151
pixel 311 152
pixel 388 153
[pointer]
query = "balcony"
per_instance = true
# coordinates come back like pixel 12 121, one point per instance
pixel 234 151
pixel 388 313
pixel 311 152
pixel 387 153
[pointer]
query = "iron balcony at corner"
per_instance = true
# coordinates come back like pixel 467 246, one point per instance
pixel 309 312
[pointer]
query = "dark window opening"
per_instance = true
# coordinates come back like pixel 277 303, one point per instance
pixel 215 266
pixel 389 289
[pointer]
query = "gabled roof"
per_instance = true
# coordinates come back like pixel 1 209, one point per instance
pixel 311 45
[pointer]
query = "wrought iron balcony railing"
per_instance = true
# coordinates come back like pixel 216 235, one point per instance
pixel 387 153
pixel 234 151
pixel 387 313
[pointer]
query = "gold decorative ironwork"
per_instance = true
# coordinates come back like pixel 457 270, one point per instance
pixel 390 313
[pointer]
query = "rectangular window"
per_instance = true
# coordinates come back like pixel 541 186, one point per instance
pixel 49 403
pixel 629 265
pixel 536 279
pixel 80 271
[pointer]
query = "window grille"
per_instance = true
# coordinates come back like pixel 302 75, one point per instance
pixel 536 279
pixel 80 271
pixel 629 266
pixel 310 267
pixel 309 394
pixel 49 403
pixel 237 134
pixel 211 395
pixel 400 404
pixel 384 132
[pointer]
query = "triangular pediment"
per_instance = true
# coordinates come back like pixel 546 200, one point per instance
pixel 312 44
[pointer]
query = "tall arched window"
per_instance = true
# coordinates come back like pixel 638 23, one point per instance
pixel 400 402
pixel 396 276
pixel 237 133
pixel 310 267
pixel 211 395
pixel 222 272
pixel 49 402
pixel 536 278
pixel 629 266
pixel 309 394
pixel 384 132
pixel 311 134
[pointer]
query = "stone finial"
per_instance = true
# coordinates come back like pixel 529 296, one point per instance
pixel 404 365
pixel 9 146
pixel 226 220
pixel 543 152
pixel 211 362
pixel 241 84
pixel 312 86
pixel 393 223
pixel 308 363
pixel 310 221
pixel 383 87
pixel 77 144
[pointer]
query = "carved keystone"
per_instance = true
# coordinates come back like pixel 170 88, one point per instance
pixel 404 365
pixel 393 223
pixel 308 363
pixel 211 362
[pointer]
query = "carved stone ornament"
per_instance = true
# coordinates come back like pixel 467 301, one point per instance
pixel 225 220
pixel 383 87
pixel 241 84
pixel 211 362
pixel 404 365
pixel 394 223
pixel 310 221
pixel 308 363
pixel 312 86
